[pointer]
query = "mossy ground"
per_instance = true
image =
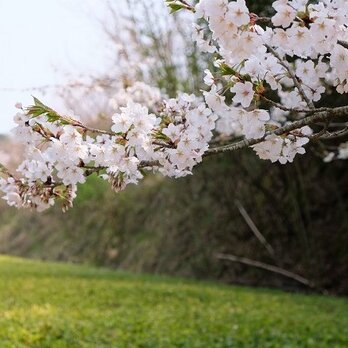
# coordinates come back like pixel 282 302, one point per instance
pixel 64 305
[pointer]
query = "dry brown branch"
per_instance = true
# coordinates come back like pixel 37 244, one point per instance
pixel 254 229
pixel 267 267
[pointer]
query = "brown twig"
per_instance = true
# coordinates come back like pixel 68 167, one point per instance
pixel 292 75
pixel 93 130
pixel 267 267
pixel 187 5
pixel 254 229
pixel 284 108
pixel 334 135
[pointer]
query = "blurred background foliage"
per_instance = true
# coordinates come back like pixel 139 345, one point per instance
pixel 178 226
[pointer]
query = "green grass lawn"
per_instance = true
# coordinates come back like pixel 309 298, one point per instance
pixel 63 305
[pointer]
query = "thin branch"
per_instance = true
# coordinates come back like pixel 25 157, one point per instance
pixel 263 19
pixel 321 133
pixel 93 130
pixel 317 117
pixel 284 108
pixel 148 164
pixel 187 5
pixel 335 125
pixel 5 171
pixel 162 144
pixel 254 229
pixel 275 104
pixel 143 164
pixel 266 267
pixel 334 135
pixel 292 75
pixel 343 43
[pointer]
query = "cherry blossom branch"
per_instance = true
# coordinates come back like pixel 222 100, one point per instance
pixel 256 18
pixel 317 117
pixel 275 104
pixel 292 75
pixel 284 108
pixel 173 139
pixel 268 20
pixel 91 129
pixel 40 108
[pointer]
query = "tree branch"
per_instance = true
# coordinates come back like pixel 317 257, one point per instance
pixel 292 75
pixel 186 5
pixel 266 267
pixel 334 135
pixel 5 171
pixel 93 130
pixel 284 108
pixel 254 229
pixel 316 117
pixel 343 43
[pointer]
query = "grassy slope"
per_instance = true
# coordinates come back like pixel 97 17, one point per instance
pixel 63 305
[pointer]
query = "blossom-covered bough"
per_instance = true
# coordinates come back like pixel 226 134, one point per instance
pixel 268 76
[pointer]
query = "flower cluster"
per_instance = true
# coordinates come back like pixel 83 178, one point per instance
pixel 309 33
pixel 283 148
pixel 252 62
pixel 61 151
pixel 188 125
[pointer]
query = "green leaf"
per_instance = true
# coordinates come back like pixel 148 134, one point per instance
pixel 39 108
pixel 227 70
pixel 174 6
pixel 38 103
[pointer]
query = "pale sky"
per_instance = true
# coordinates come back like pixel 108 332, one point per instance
pixel 41 40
